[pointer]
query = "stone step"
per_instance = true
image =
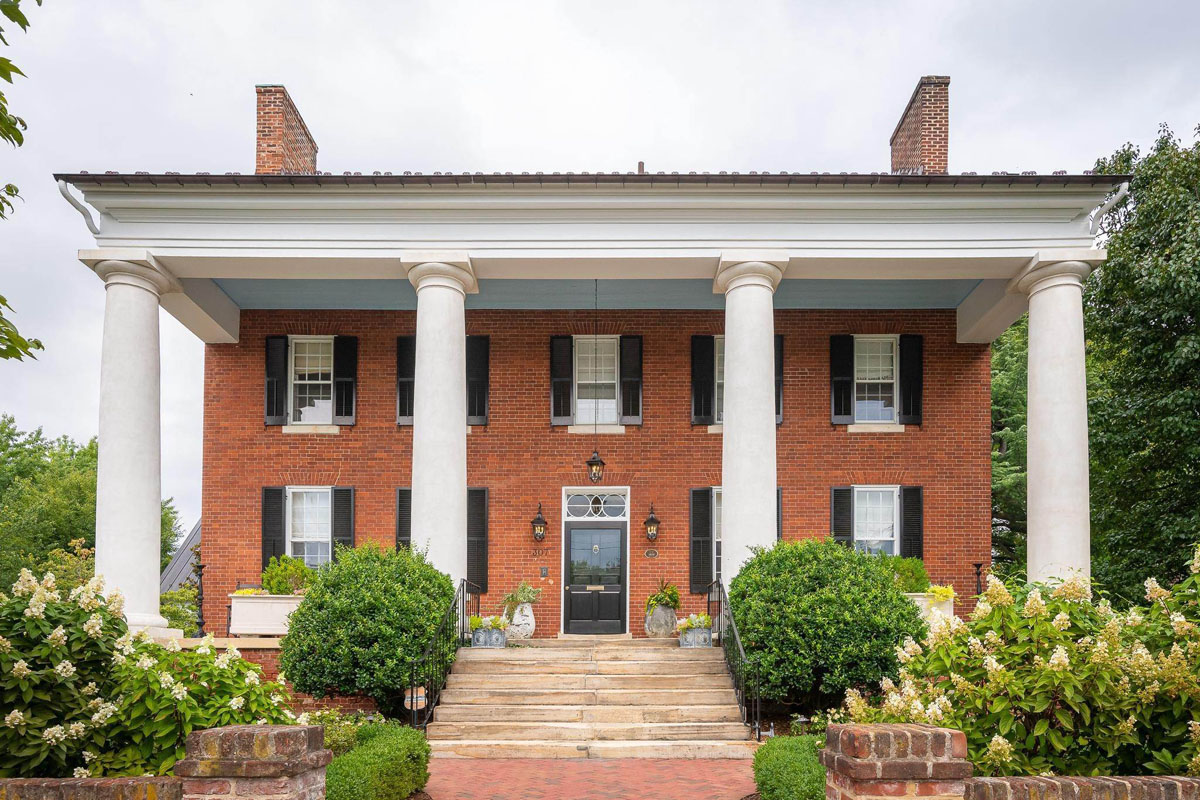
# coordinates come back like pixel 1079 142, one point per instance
pixel 588 731
pixel 585 713
pixel 475 748
pixel 490 695
pixel 585 667
pixel 567 640
pixel 458 680
pixel 614 653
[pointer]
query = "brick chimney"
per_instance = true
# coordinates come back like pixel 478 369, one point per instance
pixel 283 145
pixel 921 141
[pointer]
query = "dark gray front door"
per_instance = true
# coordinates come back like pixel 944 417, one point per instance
pixel 595 578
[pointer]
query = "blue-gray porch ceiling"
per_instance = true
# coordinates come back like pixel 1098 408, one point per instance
pixel 253 293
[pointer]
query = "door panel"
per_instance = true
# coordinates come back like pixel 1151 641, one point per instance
pixel 595 577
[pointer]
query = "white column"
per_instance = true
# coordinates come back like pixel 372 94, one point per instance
pixel 128 480
pixel 439 450
pixel 748 448
pixel 1059 517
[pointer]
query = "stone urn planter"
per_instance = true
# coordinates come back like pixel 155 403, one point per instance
pixel 696 637
pixel 489 637
pixel 523 623
pixel 926 602
pixel 261 614
pixel 661 622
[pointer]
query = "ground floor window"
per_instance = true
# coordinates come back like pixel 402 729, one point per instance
pixel 309 528
pixel 877 519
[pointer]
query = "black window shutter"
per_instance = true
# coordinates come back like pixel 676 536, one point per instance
pixel 277 382
pixel 562 365
pixel 912 378
pixel 477 538
pixel 912 522
pixel 345 378
pixel 403 518
pixel 701 539
pixel 478 348
pixel 778 378
pixel 631 380
pixel 841 517
pixel 779 513
pixel 343 517
pixel 841 378
pixel 704 383
pixel 272 523
pixel 406 372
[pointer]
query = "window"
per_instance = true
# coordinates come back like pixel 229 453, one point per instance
pixel 312 380
pixel 309 524
pixel 596 359
pixel 719 381
pixel 716 516
pixel 875 379
pixel 876 519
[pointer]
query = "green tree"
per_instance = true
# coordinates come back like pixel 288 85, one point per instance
pixel 1009 373
pixel 48 499
pixel 12 130
pixel 1143 321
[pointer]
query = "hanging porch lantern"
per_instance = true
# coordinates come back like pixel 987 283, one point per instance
pixel 595 466
pixel 651 525
pixel 538 524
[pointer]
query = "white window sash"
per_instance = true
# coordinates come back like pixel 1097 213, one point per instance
pixel 291 384
pixel 718 507
pixel 894 382
pixel 718 379
pixel 289 539
pixel 616 380
pixel 895 537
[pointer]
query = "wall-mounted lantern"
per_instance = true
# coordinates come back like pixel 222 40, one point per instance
pixel 538 524
pixel 595 466
pixel 652 525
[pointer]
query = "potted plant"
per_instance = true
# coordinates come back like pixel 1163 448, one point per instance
pixel 939 597
pixel 695 630
pixel 265 611
pixel 913 581
pixel 518 607
pixel 660 611
pixel 489 631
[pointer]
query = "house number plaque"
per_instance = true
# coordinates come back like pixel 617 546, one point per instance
pixel 652 553
pixel 541 551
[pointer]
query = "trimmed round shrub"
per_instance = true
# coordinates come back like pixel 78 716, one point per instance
pixel 389 762
pixel 789 768
pixel 819 618
pixel 364 621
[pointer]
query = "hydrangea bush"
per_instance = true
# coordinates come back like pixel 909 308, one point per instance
pixel 1050 680
pixel 80 695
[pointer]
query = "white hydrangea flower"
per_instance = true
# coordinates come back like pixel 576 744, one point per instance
pixel 237 703
pixel 179 691
pixel 125 643
pixel 997 593
pixel 1035 606
pixel 14 718
pixel 992 639
pixel 146 662
pixel 88 756
pixel 1154 592
pixel 233 652
pixel 118 657
pixel 5 645
pixel 172 646
pixel 908 650
pixel 65 669
pixel 222 661
pixel 37 606
pixel 143 636
pixel 1180 625
pixel 103 713
pixel 981 610
pixel 20 669
pixel 116 603
pixel 1195 565
pixel 975 647
pixel 1075 589
pixel 303 719
pixel 48 582
pixel 94 626
pixel 277 699
pixel 1061 621
pixel 252 679
pixel 166 680
pixel 25 584
pixel 82 772
pixel 991 665
pixel 54 734
pixel 77 730
pixel 1059 660
pixel 999 750
pixel 57 637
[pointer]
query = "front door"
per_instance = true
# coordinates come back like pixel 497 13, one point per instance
pixel 595 577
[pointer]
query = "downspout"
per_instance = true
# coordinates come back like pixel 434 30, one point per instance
pixel 80 207
pixel 1121 194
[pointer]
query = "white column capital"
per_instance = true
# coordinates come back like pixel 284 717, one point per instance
pixel 750 268
pixel 143 276
pixel 451 269
pixel 1056 267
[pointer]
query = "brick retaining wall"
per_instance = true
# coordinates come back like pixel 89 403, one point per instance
pixel 91 789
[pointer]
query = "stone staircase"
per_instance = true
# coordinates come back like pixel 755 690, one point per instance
pixel 589 697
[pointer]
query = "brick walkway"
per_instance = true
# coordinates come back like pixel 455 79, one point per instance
pixel 584 779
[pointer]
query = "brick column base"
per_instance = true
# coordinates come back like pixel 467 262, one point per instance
pixel 272 762
pixel 890 761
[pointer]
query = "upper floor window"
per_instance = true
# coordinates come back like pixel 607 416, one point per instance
pixel 309 527
pixel 596 376
pixel 875 378
pixel 311 383
pixel 877 519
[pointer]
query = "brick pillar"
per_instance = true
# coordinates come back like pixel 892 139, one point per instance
pixel 272 762
pixel 889 761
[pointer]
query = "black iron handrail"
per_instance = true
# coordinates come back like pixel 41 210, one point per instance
pixel 427 675
pixel 745 672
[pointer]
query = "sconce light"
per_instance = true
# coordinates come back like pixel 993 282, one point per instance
pixel 652 525
pixel 539 525
pixel 595 466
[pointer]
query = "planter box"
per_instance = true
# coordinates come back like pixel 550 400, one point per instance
pixel 696 637
pixel 489 637
pixel 926 602
pixel 261 614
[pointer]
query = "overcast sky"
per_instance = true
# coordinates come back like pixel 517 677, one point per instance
pixel 163 85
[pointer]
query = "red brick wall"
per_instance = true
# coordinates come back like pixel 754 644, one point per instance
pixel 282 143
pixel 522 460
pixel 921 141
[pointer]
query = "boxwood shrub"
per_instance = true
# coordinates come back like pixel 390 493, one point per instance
pixel 788 768
pixel 820 618
pixel 363 622
pixel 390 762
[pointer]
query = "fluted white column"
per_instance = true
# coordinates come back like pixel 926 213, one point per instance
pixel 128 479
pixel 748 478
pixel 1059 516
pixel 439 450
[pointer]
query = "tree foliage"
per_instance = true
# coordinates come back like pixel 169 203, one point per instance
pixel 48 499
pixel 1009 375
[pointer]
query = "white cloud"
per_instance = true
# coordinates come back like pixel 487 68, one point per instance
pixel 547 86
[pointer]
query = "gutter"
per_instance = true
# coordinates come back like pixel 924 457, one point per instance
pixel 1121 193
pixel 80 207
